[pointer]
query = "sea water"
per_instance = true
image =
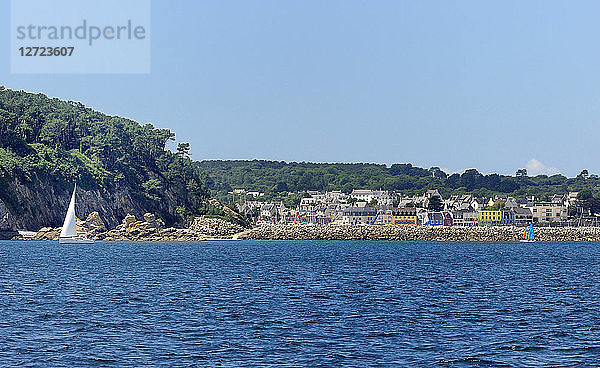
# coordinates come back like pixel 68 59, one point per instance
pixel 299 303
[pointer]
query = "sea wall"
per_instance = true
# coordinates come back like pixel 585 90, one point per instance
pixel 149 228
pixel 404 232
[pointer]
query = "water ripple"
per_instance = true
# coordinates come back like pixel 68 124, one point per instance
pixel 354 304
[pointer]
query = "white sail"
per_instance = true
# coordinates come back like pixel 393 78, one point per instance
pixel 69 228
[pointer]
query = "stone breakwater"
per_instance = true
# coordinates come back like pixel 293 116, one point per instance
pixel 203 228
pixel 439 233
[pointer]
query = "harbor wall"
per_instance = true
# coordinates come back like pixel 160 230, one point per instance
pixel 404 232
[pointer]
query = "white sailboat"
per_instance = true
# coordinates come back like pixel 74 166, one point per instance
pixel 68 234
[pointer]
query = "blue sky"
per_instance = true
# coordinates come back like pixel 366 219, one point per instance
pixel 492 85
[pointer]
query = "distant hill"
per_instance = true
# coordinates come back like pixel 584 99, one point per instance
pixel 273 177
pixel 47 145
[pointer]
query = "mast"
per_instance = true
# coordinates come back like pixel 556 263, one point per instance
pixel 531 231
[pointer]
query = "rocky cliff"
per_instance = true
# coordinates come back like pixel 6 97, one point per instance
pixel 120 166
pixel 7 221
pixel 44 204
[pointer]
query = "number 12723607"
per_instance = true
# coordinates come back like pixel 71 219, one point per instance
pixel 46 51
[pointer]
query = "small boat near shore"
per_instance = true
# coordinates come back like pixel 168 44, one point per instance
pixel 68 233
pixel 528 235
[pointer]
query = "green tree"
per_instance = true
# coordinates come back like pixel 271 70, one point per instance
pixel 584 174
pixel 589 202
pixel 438 173
pixel 183 149
pixel 152 188
pixel 521 173
pixel 281 186
pixel 435 204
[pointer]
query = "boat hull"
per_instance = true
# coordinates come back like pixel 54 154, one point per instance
pixel 75 240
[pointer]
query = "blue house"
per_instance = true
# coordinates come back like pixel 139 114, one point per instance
pixel 434 219
pixel 508 217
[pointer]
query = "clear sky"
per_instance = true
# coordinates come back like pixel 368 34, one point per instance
pixel 492 85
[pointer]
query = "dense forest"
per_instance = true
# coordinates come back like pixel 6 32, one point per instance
pixel 48 145
pixel 274 178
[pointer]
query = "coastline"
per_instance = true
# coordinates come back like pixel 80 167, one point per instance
pixel 411 233
pixel 330 232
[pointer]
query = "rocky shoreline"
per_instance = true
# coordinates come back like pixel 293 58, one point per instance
pixel 205 228
pixel 147 229
pixel 427 233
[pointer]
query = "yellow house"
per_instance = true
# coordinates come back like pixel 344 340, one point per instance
pixel 397 216
pixel 489 216
pixel 384 219
pixel 404 216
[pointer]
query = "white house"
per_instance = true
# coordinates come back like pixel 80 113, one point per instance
pixel 383 198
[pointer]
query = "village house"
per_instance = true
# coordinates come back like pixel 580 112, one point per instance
pixel 335 212
pixel 359 215
pixel 510 203
pixel 571 199
pixel 508 217
pixel 384 215
pixel 387 215
pixel 547 211
pixel 406 202
pixel 479 203
pixel 336 197
pixel 431 218
pixel 306 204
pixel 383 198
pixel 489 217
pixel 428 195
pixel 465 215
pixel 404 216
pixel 523 216
pixel 272 211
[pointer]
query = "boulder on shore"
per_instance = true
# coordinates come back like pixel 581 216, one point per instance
pixel 215 227
pixel 93 223
pixel 47 233
pixel 153 229
pixel 128 220
pixel 153 221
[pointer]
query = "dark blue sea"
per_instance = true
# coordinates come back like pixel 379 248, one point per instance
pixel 309 304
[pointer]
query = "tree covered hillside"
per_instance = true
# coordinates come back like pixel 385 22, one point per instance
pixel 47 145
pixel 272 177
